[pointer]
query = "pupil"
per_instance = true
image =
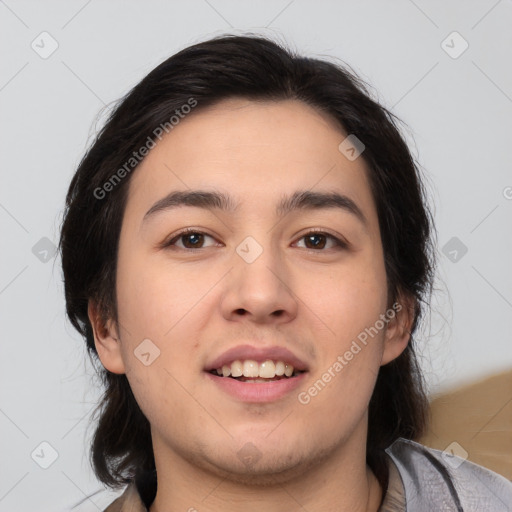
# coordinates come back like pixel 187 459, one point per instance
pixel 311 237
pixel 192 237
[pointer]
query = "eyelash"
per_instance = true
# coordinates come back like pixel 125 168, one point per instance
pixel 339 244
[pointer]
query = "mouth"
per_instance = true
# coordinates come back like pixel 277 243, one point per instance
pixel 257 374
pixel 252 371
pixel 251 381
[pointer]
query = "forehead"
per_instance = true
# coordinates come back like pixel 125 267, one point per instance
pixel 257 152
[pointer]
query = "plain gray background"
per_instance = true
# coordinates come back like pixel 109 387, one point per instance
pixel 457 105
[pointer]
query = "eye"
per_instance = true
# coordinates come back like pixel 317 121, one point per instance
pixel 318 240
pixel 191 238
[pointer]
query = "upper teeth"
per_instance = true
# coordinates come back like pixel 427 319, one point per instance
pixel 250 368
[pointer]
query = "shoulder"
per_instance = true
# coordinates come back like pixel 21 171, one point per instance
pixel 451 483
pixel 111 501
pixel 129 500
pixel 98 501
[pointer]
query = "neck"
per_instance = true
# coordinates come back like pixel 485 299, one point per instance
pixel 341 482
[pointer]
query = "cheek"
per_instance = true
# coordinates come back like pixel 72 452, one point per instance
pixel 155 304
pixel 347 300
pixel 350 303
pixel 154 297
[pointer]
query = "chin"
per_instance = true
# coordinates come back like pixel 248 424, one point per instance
pixel 256 467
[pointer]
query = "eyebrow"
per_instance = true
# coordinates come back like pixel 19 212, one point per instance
pixel 299 200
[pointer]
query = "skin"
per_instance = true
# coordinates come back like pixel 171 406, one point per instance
pixel 194 304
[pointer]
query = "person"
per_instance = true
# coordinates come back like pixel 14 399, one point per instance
pixel 248 250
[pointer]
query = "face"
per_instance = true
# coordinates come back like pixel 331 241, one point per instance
pixel 272 277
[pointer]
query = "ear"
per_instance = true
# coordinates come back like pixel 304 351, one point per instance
pixel 106 340
pixel 398 329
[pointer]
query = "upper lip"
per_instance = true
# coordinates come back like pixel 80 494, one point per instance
pixel 259 354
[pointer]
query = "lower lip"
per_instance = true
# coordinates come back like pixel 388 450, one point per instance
pixel 257 391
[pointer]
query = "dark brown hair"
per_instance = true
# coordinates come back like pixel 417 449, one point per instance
pixel 255 68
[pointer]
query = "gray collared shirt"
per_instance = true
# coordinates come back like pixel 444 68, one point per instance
pixel 424 480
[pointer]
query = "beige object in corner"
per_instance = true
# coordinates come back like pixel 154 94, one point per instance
pixel 478 417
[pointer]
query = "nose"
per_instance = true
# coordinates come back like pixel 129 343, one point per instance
pixel 260 291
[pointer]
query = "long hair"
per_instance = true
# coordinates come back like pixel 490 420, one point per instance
pixel 255 68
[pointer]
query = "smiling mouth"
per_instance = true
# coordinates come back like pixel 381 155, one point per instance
pixel 251 371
